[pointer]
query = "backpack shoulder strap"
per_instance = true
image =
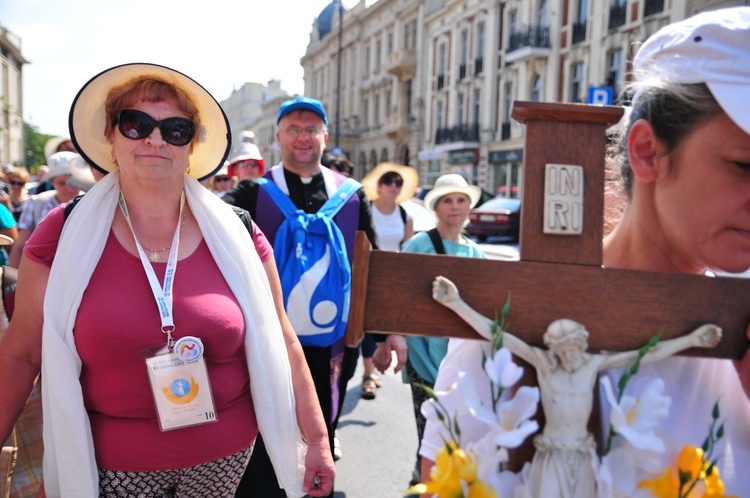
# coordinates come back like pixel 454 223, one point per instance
pixel 70 205
pixel 340 197
pixel 437 242
pixel 245 218
pixel 283 202
pixel 402 210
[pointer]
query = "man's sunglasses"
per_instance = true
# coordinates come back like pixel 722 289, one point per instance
pixel 136 125
pixel 390 181
pixel 222 178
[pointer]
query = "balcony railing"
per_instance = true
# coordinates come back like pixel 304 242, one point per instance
pixel 458 133
pixel 653 7
pixel 462 71
pixel 617 13
pixel 505 131
pixel 531 36
pixel 579 31
pixel 440 81
pixel 478 66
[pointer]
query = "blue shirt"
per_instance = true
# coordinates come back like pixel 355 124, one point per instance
pixel 426 353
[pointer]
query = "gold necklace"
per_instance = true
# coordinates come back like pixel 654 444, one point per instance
pixel 153 254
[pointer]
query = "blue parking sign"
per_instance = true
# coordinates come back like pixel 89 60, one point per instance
pixel 337 151
pixel 600 95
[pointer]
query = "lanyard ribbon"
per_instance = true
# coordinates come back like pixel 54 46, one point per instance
pixel 162 295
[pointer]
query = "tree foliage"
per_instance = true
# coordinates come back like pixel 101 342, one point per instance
pixel 34 145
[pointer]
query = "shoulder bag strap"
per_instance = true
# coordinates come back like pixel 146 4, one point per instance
pixel 437 241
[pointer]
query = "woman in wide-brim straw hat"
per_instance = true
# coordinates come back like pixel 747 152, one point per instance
pixel 387 185
pixel 152 272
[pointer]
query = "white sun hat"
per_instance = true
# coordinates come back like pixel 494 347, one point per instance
pixel 451 183
pixel 712 48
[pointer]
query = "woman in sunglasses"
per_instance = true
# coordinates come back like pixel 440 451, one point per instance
pixel 19 196
pixel 157 309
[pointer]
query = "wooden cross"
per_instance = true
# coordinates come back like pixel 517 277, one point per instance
pixel 559 274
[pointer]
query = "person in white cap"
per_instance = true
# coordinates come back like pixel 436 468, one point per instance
pixel 684 160
pixel 685 167
pixel 248 164
pixel 40 204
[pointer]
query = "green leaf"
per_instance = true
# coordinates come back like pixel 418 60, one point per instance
pixel 715 413
pixel 720 432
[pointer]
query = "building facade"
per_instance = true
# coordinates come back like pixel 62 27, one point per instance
pixel 245 105
pixel 11 99
pixel 431 83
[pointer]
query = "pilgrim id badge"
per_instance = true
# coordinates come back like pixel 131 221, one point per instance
pixel 181 390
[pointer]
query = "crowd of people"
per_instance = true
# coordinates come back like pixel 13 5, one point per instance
pixel 128 380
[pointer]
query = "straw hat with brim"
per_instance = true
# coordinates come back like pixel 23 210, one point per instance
pixel 451 183
pixel 407 173
pixel 87 120
pixel 51 146
pixel 59 165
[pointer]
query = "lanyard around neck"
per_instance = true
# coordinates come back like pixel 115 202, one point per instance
pixel 162 294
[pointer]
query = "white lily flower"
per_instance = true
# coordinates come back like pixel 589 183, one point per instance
pixel 616 476
pixel 501 370
pixel 509 424
pixel 635 417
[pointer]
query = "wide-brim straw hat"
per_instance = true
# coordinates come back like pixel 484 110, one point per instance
pixel 87 120
pixel 81 176
pixel 407 173
pixel 452 183
pixel 52 144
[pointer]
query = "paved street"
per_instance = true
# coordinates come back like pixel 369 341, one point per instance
pixel 378 440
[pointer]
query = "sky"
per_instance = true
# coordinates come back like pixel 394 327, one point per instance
pixel 221 44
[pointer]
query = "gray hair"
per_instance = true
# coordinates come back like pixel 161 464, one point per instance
pixel 673 109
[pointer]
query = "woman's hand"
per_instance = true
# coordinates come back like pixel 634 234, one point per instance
pixel 319 470
pixel 382 357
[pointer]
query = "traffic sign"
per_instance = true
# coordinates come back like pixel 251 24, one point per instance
pixel 600 95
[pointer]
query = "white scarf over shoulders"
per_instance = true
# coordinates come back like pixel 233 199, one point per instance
pixel 69 462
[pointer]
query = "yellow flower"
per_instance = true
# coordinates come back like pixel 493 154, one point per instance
pixel 452 466
pixel 691 462
pixel 480 489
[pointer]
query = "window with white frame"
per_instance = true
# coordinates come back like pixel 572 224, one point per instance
pixel 536 88
pixel 477 105
pixel 614 70
pixel 480 40
pixel 461 108
pixel 508 107
pixel 576 82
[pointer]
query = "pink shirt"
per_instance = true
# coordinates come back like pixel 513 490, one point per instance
pixel 118 318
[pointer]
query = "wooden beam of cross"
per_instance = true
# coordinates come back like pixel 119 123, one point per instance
pixel 560 273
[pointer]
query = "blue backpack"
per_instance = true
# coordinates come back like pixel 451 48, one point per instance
pixel 315 273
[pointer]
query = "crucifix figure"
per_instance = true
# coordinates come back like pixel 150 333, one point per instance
pixel 567 375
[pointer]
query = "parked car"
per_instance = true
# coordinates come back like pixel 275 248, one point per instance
pixel 499 217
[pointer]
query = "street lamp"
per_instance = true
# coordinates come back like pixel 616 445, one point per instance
pixel 338 73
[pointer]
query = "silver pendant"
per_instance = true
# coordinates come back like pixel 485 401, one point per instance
pixel 154 256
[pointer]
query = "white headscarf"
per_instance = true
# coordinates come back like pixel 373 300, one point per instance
pixel 69 463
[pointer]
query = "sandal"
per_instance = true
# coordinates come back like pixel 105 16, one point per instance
pixel 369 388
pixel 376 379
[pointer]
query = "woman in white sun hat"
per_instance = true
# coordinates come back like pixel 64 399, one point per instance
pixel 450 199
pixel 158 313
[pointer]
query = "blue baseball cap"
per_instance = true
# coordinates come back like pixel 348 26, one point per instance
pixel 302 104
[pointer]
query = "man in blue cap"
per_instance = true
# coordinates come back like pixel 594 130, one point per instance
pixel 302 133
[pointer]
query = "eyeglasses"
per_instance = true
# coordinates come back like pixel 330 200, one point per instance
pixel 390 181
pixel 248 163
pixel 296 131
pixel 17 183
pixel 136 125
pixel 222 178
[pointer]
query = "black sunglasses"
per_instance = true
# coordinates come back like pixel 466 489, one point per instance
pixel 390 181
pixel 18 184
pixel 136 125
